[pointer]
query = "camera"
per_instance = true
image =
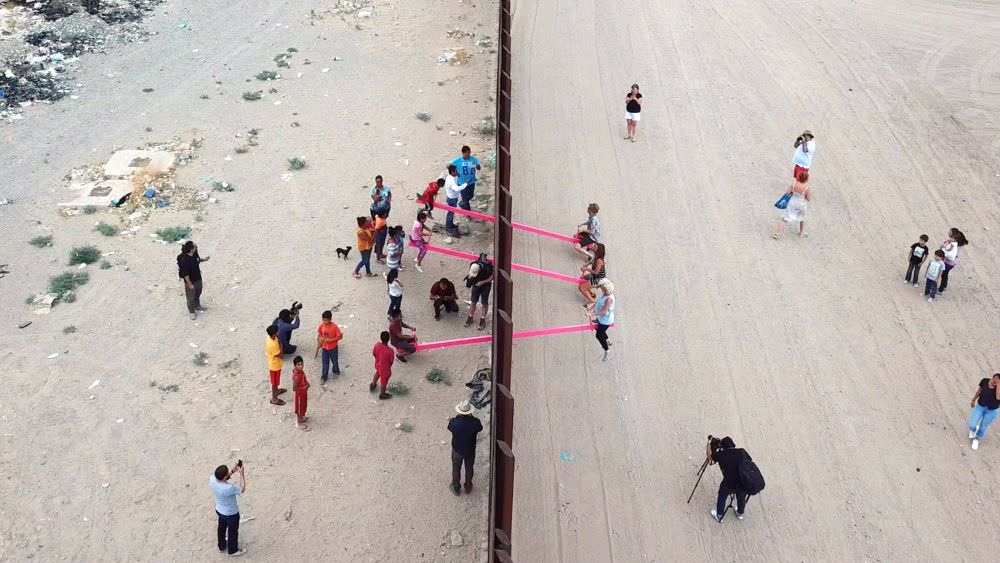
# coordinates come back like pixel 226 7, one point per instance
pixel 296 307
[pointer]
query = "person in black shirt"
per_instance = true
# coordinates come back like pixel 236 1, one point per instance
pixel 918 253
pixel 725 453
pixel 633 105
pixel 464 429
pixel 189 270
pixel 985 408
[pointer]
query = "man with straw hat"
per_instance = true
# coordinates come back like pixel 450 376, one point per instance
pixel 464 428
pixel 805 151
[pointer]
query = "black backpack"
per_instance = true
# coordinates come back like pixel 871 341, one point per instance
pixel 751 478
pixel 485 270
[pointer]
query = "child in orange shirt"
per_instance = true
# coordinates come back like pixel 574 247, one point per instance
pixel 366 240
pixel 300 385
pixel 429 195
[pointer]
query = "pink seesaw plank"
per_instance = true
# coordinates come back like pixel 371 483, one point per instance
pixel 520 267
pixel 492 219
pixel 518 334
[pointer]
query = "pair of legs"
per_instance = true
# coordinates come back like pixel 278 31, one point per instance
pixel 380 245
pixel 421 250
pixel 467 194
pixel 582 245
pixel 275 390
pixel 449 219
pixel 943 282
pixel 724 492
pixel 331 358
pixel 630 128
pixel 446 304
pixel 931 289
pixel 395 303
pixel 382 380
pixel 781 227
pixel 193 296
pixel 480 294
pixel 301 402
pixel 404 348
pixel 980 420
pixel 366 261
pixel 229 533
pixel 586 290
pixel 602 336
pixel 912 273
pixel 457 460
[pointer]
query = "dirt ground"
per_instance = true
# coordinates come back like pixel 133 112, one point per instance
pixel 102 458
pixel 849 389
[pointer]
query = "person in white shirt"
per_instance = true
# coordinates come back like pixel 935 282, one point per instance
pixel 452 192
pixel 395 290
pixel 805 152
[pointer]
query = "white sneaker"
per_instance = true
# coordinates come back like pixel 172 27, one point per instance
pixel 916 285
pixel 419 269
pixel 608 354
pixel 238 553
pixel 972 434
pixel 739 516
pixel 716 516
pixel 193 316
pixel 975 443
pixel 930 299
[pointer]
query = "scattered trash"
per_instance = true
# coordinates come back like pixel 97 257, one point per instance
pixel 193 345
pixel 105 485
pixel 120 420
pixel 455 539
pixel 94 384
pixel 404 427
pixel 566 456
pixel 52 356
pixel 24 324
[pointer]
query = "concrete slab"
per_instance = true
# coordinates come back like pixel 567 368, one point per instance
pixel 99 194
pixel 125 163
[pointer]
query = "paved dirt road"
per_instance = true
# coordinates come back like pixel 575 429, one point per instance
pixel 847 387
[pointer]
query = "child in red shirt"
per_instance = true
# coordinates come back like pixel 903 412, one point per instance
pixel 384 357
pixel 300 385
pixel 429 195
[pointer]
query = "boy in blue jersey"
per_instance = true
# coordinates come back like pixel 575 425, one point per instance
pixel 467 166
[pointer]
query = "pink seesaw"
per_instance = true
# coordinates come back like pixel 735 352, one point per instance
pixel 518 267
pixel 491 219
pixel 518 334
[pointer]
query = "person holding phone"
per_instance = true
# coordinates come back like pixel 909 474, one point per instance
pixel 633 106
pixel 226 507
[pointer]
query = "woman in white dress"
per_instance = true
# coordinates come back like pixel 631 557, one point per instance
pixel 797 204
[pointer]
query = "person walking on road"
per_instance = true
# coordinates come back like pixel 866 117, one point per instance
pixel 189 270
pixel 602 313
pixel 725 453
pixel 467 166
pixel 227 508
pixel 384 356
pixel 464 430
pixel 805 151
pixel 950 246
pixel 633 106
pixel 796 209
pixel 985 407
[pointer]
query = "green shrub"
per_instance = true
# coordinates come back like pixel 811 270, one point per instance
pixel 223 187
pixel 423 116
pixel 296 163
pixel 84 255
pixel 174 234
pixel 397 388
pixel 106 229
pixel 201 359
pixel 69 329
pixel 487 128
pixel 266 75
pixel 105 265
pixel 41 241
pixel 437 375
pixel 89 210
pixel 67 281
pixel 252 96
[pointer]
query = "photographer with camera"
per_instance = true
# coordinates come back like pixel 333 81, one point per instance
pixel 740 476
pixel 226 507
pixel 287 321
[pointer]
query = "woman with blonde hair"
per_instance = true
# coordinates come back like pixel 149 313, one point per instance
pixel 602 313
pixel 795 211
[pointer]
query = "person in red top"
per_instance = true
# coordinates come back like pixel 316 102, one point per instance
pixel 383 365
pixel 328 336
pixel 429 195
pixel 405 344
pixel 300 385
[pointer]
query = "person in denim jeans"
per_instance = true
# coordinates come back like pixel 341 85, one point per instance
pixel 226 507
pixel 467 166
pixel 452 192
pixel 985 408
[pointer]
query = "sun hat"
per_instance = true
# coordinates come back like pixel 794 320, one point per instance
pixel 463 408
pixel 808 132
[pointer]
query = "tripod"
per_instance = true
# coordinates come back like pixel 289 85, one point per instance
pixel 701 472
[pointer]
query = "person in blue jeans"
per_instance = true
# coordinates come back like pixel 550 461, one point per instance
pixel 985 407
pixel 452 191
pixel 226 508
pixel 467 166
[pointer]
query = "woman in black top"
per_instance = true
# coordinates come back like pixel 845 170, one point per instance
pixel 189 270
pixel 985 408
pixel 593 272
pixel 633 105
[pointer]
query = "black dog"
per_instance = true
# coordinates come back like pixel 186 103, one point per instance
pixel 343 252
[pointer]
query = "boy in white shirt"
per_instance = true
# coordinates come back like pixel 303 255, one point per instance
pixel 933 272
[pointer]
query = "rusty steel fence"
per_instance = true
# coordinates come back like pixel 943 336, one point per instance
pixel 502 427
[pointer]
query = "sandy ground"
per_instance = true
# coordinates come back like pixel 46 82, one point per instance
pixel 848 388
pixel 119 470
